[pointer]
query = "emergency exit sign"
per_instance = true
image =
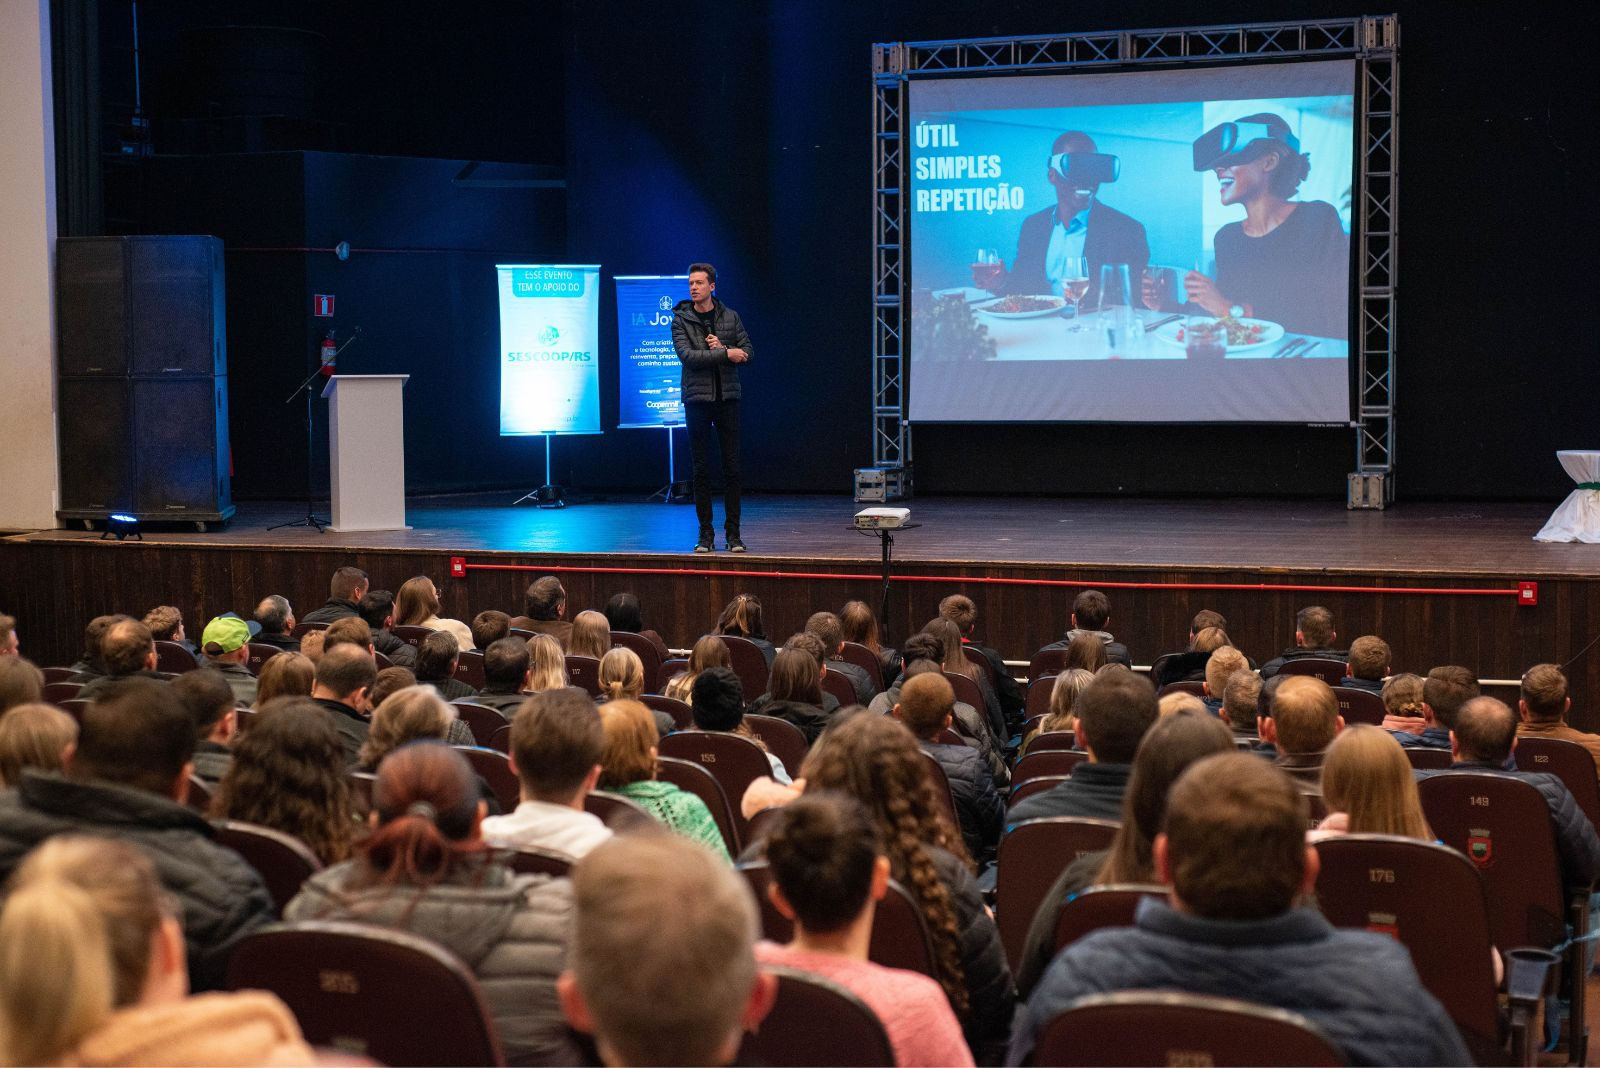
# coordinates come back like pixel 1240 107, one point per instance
pixel 322 305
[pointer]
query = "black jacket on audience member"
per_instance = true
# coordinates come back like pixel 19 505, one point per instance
pixel 222 897
pixel 860 682
pixel 809 718
pixel 979 808
pixel 1094 791
pixel 352 726
pixel 281 641
pixel 1275 665
pixel 334 609
pixel 1013 701
pixel 400 653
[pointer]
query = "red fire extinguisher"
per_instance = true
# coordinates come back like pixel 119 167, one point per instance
pixel 329 354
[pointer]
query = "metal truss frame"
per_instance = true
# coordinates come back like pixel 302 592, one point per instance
pixel 1373 41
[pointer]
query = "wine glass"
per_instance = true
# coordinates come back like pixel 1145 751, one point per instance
pixel 988 270
pixel 1116 306
pixel 1075 286
pixel 1158 285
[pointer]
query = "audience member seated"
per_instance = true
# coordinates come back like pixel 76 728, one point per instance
pixel 1483 736
pixel 414 714
pixel 89 666
pixel 829 872
pixel 709 651
pixel 544 610
pixel 556 747
pixel 742 618
pixel 166 625
pixel 1305 720
pixel 417 605
pixel 1064 694
pixel 93 972
pixel 126 650
pixel 1369 664
pixel 859 625
pixel 1208 632
pixel 1180 704
pixel 226 647
pixel 954 660
pixel 389 681
pixel 811 644
pixel 959 609
pixel 1369 787
pixel 21 682
pixel 345 590
pixel 343 685
pixel 717 704
pixel 591 635
pixel 1091 613
pixel 10 641
pixel 437 657
pixel 425 869
pixel 208 699
pixel 824 626
pixel 622 679
pixel 311 644
pixel 547 668
pixel 1113 715
pixel 1402 703
pixel 275 616
pixel 653 992
pixel 628 767
pixel 1168 748
pixel 352 630
pixel 489 627
pixel 1313 638
pixel 874 759
pixel 794 693
pixel 34 736
pixel 1085 652
pixel 286 674
pixel 127 779
pixel 1233 853
pixel 505 676
pixel 288 773
pixel 624 614
pixel 1222 666
pixel 1241 704
pixel 1444 691
pixel 1542 708
pixel 376 608
pixel 926 705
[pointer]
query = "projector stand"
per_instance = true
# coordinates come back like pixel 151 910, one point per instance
pixel 886 537
pixel 547 495
pixel 674 492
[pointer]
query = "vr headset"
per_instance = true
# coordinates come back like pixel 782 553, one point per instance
pixel 1238 142
pixel 1085 170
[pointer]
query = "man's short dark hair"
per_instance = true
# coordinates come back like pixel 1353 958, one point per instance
pixel 1115 710
pixel 505 664
pixel 959 609
pixel 1241 700
pixel 1315 624
pixel 1091 609
pixel 436 655
pixel 1544 690
pixel 273 613
pixel 1485 728
pixel 1236 838
pixel 556 739
pixel 711 272
pixel 344 669
pixel 489 627
pixel 163 621
pixel 926 699
pixel 921 646
pixel 717 699
pixel 93 634
pixel 350 630
pixel 1207 618
pixel 822 849
pixel 1369 658
pixel 346 581
pixel 126 647
pixel 1446 689
pixel 824 626
pixel 137 733
pixel 544 598
pixel 206 696
pixel 375 607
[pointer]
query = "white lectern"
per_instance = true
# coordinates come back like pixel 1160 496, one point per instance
pixel 367 452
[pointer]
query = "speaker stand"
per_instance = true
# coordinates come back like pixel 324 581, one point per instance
pixel 311 519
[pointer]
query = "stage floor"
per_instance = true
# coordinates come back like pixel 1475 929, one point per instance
pixel 1451 538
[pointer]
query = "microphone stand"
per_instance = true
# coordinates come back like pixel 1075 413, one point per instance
pixel 311 519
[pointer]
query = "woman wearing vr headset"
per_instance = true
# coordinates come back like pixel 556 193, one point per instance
pixel 1287 261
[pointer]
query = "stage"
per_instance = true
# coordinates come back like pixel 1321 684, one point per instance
pixel 1439 581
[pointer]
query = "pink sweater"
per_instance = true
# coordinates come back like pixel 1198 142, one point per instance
pixel 922 1028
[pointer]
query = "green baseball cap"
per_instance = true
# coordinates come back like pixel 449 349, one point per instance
pixel 228 633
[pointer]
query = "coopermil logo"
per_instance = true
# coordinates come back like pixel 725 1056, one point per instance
pixel 549 335
pixel 665 303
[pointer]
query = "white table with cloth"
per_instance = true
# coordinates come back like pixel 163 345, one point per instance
pixel 1578 517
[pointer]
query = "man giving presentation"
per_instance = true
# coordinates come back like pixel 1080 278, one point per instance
pixel 711 344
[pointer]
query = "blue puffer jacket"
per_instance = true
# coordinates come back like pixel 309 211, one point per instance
pixel 1359 987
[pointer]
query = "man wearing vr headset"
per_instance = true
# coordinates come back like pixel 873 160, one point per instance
pixel 1078 224
pixel 1288 261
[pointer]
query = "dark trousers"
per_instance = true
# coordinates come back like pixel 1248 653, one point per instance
pixel 701 416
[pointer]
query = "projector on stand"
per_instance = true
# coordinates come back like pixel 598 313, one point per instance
pixel 882 518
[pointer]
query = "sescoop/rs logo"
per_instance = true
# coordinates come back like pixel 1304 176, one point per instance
pixel 549 335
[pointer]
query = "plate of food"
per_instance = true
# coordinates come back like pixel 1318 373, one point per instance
pixel 1244 335
pixel 1021 307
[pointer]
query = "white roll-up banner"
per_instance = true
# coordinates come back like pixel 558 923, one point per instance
pixel 549 342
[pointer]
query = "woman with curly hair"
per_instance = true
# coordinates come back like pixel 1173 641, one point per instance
pixel 417 605
pixel 742 618
pixel 629 768
pixel 288 773
pixel 876 760
pixel 425 869
pixel 709 651
pixel 285 674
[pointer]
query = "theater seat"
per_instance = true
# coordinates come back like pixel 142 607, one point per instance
pixel 816 1021
pixel 282 860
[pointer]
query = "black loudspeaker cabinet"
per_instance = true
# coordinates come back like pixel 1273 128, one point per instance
pixel 143 392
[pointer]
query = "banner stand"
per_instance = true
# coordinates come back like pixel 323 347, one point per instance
pixel 547 495
pixel 674 492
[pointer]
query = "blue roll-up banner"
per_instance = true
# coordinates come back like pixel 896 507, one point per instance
pixel 649 374
pixel 549 348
